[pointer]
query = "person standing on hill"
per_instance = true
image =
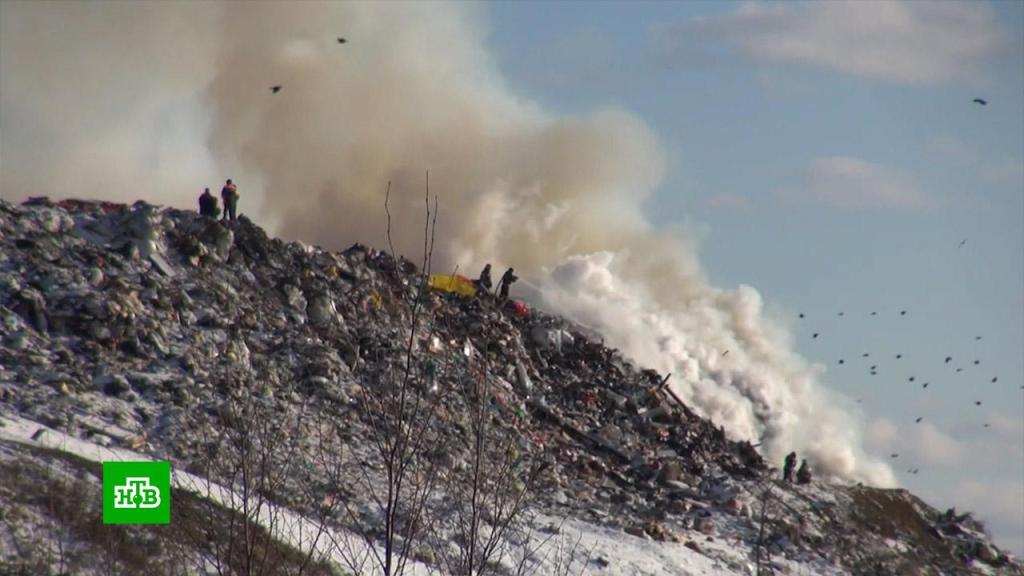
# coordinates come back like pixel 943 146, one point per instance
pixel 229 193
pixel 483 283
pixel 803 475
pixel 787 470
pixel 506 280
pixel 208 205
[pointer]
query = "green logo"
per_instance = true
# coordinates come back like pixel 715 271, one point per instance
pixel 136 492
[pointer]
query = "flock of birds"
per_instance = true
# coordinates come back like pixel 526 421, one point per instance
pixel 873 369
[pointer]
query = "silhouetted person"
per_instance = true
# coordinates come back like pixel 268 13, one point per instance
pixel 803 475
pixel 229 194
pixel 208 205
pixel 506 280
pixel 484 281
pixel 787 470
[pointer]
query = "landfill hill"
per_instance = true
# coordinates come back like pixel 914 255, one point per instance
pixel 134 328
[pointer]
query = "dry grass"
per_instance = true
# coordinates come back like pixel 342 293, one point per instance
pixel 893 514
pixel 61 495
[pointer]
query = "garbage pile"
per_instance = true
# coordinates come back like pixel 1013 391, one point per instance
pixel 134 325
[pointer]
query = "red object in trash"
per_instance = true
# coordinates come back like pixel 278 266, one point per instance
pixel 521 309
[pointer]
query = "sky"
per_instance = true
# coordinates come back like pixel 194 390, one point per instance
pixel 839 175
pixel 829 155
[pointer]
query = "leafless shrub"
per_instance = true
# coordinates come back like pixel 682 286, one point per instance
pixel 400 418
pixel 235 520
pixel 487 496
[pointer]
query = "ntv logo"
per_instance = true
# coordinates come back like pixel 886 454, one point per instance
pixel 136 493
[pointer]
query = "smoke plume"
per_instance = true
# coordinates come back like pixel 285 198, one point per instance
pixel 157 100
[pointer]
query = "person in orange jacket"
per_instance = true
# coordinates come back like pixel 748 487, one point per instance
pixel 229 193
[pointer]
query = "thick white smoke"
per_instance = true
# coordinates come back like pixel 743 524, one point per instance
pixel 413 89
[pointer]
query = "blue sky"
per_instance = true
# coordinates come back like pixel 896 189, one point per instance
pixel 834 176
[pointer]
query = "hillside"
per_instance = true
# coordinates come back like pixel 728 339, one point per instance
pixel 164 334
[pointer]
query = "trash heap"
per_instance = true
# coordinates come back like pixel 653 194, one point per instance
pixel 134 325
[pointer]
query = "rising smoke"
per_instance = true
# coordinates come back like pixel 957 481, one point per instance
pixel 156 100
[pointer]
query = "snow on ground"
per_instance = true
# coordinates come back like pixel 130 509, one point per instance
pixel 611 552
pixel 627 554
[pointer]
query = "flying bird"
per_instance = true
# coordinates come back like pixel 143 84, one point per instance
pixel 976 362
pixel 725 353
pixel 874 313
pixel 911 378
pixel 949 359
pixel 865 355
pixel 898 356
pixel 977 337
pixel 903 312
pixel 275 88
pixel 962 242
pixel 925 385
pixel 980 101
pixel 894 455
pixel 994 379
pixel 840 313
pixel 815 335
pixel 341 40
pixel 841 361
pixel 919 418
pixel 959 369
pixel 801 314
pixel 987 425
pixel 977 402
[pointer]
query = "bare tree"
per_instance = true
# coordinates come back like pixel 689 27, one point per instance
pixel 235 519
pixel 400 419
pixel 487 496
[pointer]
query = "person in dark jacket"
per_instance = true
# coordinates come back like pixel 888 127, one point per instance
pixel 229 193
pixel 483 283
pixel 787 470
pixel 506 280
pixel 208 205
pixel 803 475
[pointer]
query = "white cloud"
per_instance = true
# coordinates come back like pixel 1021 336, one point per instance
pixel 895 41
pixel 1008 171
pixel 921 444
pixel 949 147
pixel 729 201
pixel 851 183
pixel 881 434
pixel 931 446
pixel 1009 428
